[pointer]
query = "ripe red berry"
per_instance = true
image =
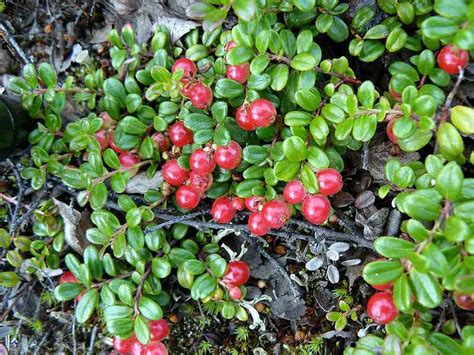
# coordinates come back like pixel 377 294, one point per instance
pixel 102 138
pixel 202 183
pixel 222 210
pixel 137 348
pixel 253 203
pixel 238 203
pixel 124 345
pixel 452 59
pixel 294 192
pixel 381 308
pixel 229 156
pixel 200 95
pixel 242 117
pixel 239 73
pixel 202 162
pixel 257 224
pixel 237 273
pixel 180 135
pixel 188 66
pixel 276 213
pixel 186 90
pixel 389 131
pixel 464 301
pixel 173 173
pixel 155 348
pixel 113 145
pixel 128 160
pixel 67 277
pixel 187 197
pixel 330 181
pixel 262 113
pixel 159 329
pixel 316 208
pixel 161 141
pixel 384 287
pixel 235 292
pixel 231 44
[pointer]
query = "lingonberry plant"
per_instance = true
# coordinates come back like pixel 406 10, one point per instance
pixel 260 117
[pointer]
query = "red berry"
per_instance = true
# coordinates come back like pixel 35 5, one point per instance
pixel 257 224
pixel 161 141
pixel 67 277
pixel 294 192
pixel 253 203
pixel 124 345
pixel 137 348
pixel 235 292
pixel 389 131
pixel 330 181
pixel 237 273
pixel 316 208
pixel 231 44
pixel 102 138
pixel 180 135
pixel 155 348
pixel 128 160
pixel 202 162
pixel 159 329
pixel 464 301
pixel 239 73
pixel 384 287
pixel 242 117
pixel 173 173
pixel 262 113
pixel 381 308
pixel 107 121
pixel 452 59
pixel 238 203
pixel 113 145
pixel 229 156
pixel 200 95
pixel 187 197
pixel 188 66
pixel 186 90
pixel 222 210
pixel 276 213
pixel 202 183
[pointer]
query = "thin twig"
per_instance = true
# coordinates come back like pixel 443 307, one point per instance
pixel 296 292
pixel 92 342
pixel 41 343
pixel 21 191
pixel 455 317
pixel 176 219
pixel 138 294
pixel 13 46
pixel 73 330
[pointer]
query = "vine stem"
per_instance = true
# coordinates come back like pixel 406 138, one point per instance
pixel 140 288
pixel 121 170
pixel 344 78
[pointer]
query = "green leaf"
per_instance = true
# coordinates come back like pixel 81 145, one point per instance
pixel 305 5
pixel 465 284
pixel 437 27
pixel 254 154
pixel 445 344
pixel 449 181
pixel 198 121
pixel 217 264
pixel 245 9
pixel 427 289
pixel 308 100
pixel 161 268
pixel 86 306
pixel 132 125
pixel 66 291
pixel 392 247
pixel 149 308
pixel 194 267
pixel 404 177
pixel 115 89
pixel 294 149
pixel 402 294
pixel 203 287
pixel 48 75
pixel 338 31
pixel 98 196
pixel 279 74
pixel 298 118
pixel 303 62
pixel 239 55
pixel 455 9
pixel 309 179
pixel 438 264
pixel 93 262
pixel 141 330
pixel 286 170
pixel 228 88
pixel 382 272
pixel 364 128
pixel 455 229
pixel 396 40
pixel 423 205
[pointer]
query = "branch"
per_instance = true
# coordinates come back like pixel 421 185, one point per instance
pixel 21 191
pixel 140 288
pixel 344 78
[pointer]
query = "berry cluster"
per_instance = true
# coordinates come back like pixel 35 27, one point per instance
pixel 237 274
pixel 159 330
